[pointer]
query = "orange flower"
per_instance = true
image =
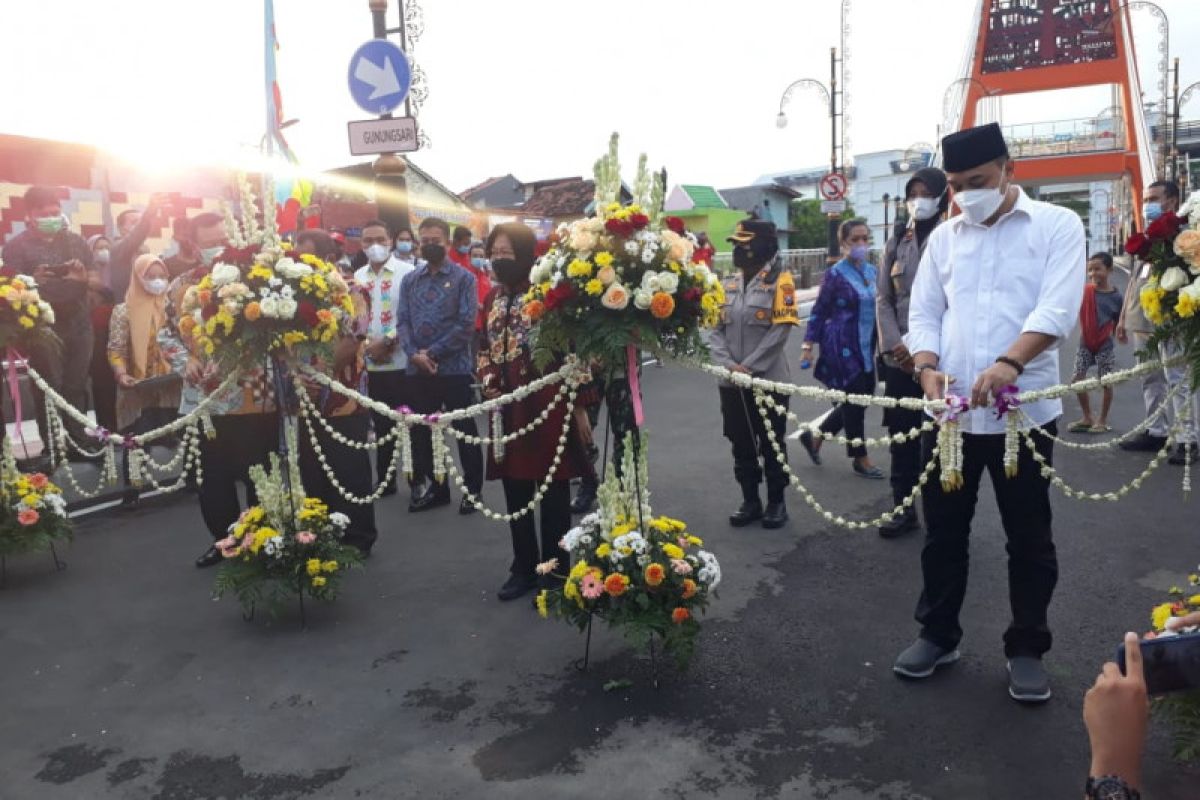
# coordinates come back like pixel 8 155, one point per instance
pixel 325 315
pixel 680 616
pixel 30 517
pixel 616 584
pixel 689 588
pixel 187 325
pixel 252 311
pixel 38 480
pixel 204 295
pixel 662 305
pixel 535 309
pixel 655 574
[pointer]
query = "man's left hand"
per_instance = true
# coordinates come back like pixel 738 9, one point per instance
pixel 990 382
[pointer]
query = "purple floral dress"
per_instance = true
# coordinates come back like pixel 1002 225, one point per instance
pixel 843 324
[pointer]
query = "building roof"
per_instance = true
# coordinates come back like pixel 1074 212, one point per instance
pixel 479 187
pixel 745 197
pixel 704 196
pixel 569 197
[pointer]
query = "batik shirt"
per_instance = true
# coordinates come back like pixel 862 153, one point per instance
pixel 437 314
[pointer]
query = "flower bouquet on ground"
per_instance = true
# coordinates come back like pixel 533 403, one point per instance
pixel 1183 708
pixel 621 277
pixel 1171 297
pixel 261 299
pixel 33 513
pixel 25 318
pixel 287 546
pixel 649 580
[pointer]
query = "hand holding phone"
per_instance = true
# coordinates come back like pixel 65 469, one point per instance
pixel 1169 663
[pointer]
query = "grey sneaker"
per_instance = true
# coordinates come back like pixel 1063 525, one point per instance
pixel 1027 680
pixel 921 658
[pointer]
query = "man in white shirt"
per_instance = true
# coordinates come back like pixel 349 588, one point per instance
pixel 998 288
pixel 380 281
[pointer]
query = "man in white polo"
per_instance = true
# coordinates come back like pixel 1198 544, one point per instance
pixel 998 288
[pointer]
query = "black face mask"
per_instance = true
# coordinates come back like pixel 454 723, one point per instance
pixel 433 253
pixel 744 258
pixel 509 272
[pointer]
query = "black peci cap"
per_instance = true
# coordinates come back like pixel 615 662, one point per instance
pixel 968 149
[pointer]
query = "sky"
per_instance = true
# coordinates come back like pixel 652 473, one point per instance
pixel 531 87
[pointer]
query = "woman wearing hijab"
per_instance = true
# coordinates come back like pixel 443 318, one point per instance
pixel 843 324
pixel 926 199
pixel 145 396
pixel 505 364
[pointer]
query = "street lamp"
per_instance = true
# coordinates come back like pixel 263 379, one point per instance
pixel 828 94
pixel 918 152
pixel 1164 67
pixel 947 122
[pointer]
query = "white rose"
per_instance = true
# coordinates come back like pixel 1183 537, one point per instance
pixel 582 239
pixel 47 313
pixel 668 282
pixel 642 298
pixel 651 281
pixel 269 306
pixel 1173 279
pixel 224 273
pixel 287 308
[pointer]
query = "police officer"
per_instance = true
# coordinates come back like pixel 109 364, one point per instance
pixel 759 313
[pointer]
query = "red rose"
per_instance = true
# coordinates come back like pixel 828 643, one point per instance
pixel 209 311
pixel 638 221
pixel 676 225
pixel 1165 227
pixel 307 312
pixel 1138 245
pixel 693 295
pixel 559 295
pixel 542 247
pixel 619 227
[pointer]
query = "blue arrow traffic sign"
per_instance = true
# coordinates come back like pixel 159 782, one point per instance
pixel 379 76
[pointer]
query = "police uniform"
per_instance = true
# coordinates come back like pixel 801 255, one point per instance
pixel 759 314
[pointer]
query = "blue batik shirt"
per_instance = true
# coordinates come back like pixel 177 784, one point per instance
pixel 437 315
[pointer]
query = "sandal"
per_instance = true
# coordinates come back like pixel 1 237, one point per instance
pixel 1100 429
pixel 1080 426
pixel 874 473
pixel 806 441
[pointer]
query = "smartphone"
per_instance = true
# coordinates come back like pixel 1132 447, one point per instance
pixel 59 270
pixel 1170 664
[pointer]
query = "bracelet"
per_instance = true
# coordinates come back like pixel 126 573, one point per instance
pixel 918 369
pixel 1012 362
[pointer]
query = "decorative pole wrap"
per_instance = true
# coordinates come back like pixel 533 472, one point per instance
pixel 950 442
pixel 1008 406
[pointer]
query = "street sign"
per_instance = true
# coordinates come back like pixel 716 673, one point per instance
pixel 379 76
pixel 833 186
pixel 833 206
pixel 372 136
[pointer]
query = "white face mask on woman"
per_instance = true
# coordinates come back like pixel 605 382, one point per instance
pixel 154 286
pixel 978 205
pixel 922 208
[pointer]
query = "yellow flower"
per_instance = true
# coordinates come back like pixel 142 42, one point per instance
pixel 1194 579
pixel 261 536
pixel 578 571
pixel 30 499
pixel 594 287
pixel 32 310
pixel 1151 298
pixel 695 541
pixel 571 592
pixel 604 550
pixel 26 322
pixel 1160 615
pixel 675 267
pixel 1187 305
pixel 542 610
pixel 329 566
pixel 604 259
pixel 1194 600
pixel 672 551
pixel 579 269
pixel 259 271
pixel 313 566
pixel 318 581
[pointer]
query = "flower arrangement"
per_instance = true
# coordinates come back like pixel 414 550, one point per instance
pixel 648 580
pixel 24 315
pixel 33 513
pixel 287 545
pixel 260 300
pixel 1171 297
pixel 1183 709
pixel 621 277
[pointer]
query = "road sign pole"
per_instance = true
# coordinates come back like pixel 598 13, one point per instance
pixel 391 189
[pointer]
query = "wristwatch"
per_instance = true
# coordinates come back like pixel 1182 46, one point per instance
pixel 918 369
pixel 1109 787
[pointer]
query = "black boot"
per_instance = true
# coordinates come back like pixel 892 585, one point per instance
pixel 751 508
pixel 900 525
pixel 776 515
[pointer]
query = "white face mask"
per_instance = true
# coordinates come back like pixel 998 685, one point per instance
pixel 155 286
pixel 922 208
pixel 378 253
pixel 978 205
pixel 209 254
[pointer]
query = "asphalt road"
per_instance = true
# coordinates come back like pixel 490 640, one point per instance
pixel 121 678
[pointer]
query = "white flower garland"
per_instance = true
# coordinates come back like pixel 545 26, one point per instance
pixel 307 416
pixel 1116 441
pixel 815 429
pixel 307 407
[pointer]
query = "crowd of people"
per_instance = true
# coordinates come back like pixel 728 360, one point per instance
pixel 968 304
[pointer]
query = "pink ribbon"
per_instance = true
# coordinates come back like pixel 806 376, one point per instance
pixel 635 387
pixel 15 392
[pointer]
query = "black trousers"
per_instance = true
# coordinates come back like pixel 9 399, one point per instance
pixel 555 508
pixel 242 441
pixel 752 451
pixel 387 387
pixel 433 393
pixel 104 383
pixel 851 417
pixel 353 470
pixel 1024 502
pixel 66 369
pixel 906 457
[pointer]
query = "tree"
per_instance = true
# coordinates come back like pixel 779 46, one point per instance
pixel 810 228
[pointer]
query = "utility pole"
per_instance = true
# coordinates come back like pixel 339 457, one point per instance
pixel 1173 169
pixel 834 253
pixel 391 190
